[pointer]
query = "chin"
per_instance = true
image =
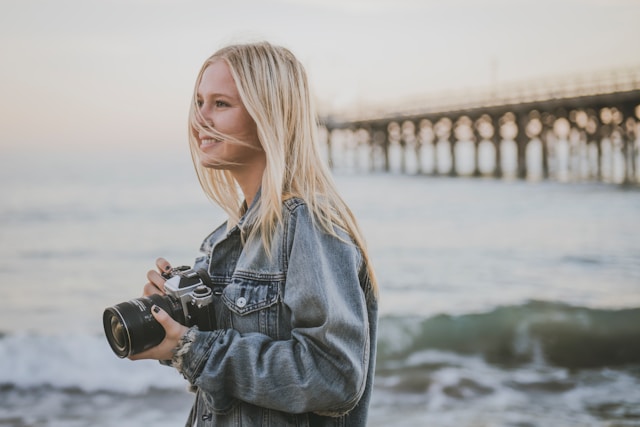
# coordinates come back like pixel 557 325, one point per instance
pixel 211 163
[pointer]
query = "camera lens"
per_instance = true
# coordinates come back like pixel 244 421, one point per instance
pixel 118 332
pixel 131 328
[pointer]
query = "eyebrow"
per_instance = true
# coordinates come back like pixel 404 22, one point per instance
pixel 215 95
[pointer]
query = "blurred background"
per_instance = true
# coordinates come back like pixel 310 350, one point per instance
pixel 489 149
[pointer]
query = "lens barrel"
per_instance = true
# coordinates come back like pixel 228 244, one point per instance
pixel 131 328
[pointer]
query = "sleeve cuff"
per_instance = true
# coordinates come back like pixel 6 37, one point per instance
pixel 183 348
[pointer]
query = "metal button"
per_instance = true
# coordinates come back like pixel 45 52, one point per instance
pixel 241 302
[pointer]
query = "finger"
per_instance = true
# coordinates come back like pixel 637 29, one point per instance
pixel 163 265
pixel 151 289
pixel 162 317
pixel 159 352
pixel 167 324
pixel 171 327
pixel 156 280
pixel 173 333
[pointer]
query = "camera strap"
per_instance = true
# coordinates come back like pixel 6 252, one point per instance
pixel 204 276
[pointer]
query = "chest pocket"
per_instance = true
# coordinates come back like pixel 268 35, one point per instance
pixel 253 304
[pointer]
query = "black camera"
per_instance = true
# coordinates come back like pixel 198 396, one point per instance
pixel 131 328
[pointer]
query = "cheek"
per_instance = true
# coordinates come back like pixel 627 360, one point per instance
pixel 253 136
pixel 250 131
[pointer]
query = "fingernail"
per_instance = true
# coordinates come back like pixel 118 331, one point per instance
pixel 156 309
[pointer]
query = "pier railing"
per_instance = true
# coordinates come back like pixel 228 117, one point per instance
pixel 508 93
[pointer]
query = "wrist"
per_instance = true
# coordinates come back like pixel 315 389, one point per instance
pixel 184 346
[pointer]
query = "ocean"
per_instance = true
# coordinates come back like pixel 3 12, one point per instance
pixel 502 302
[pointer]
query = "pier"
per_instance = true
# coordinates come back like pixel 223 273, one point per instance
pixel 571 128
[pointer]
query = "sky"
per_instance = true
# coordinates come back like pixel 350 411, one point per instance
pixel 120 73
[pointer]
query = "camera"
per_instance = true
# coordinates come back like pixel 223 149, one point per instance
pixel 131 328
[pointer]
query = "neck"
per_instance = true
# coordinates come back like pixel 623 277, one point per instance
pixel 250 182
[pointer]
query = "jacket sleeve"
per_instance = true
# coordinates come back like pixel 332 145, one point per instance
pixel 323 367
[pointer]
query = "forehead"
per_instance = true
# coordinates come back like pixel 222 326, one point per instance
pixel 216 79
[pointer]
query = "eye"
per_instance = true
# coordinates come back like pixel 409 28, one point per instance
pixel 199 103
pixel 221 104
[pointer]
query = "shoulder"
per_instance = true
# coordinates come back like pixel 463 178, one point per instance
pixel 299 219
pixel 297 213
pixel 291 204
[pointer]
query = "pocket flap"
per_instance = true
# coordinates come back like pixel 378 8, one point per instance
pixel 243 295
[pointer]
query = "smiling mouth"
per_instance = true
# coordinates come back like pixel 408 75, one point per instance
pixel 209 141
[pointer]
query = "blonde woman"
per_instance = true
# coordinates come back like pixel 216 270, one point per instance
pixel 296 312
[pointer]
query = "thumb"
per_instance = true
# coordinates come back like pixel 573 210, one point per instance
pixel 162 317
pixel 172 328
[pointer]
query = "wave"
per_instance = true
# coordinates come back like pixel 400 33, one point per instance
pixel 543 333
pixel 78 363
pixel 549 333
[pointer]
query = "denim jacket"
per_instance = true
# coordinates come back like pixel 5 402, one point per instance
pixel 295 342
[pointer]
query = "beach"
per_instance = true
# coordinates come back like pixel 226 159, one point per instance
pixel 502 302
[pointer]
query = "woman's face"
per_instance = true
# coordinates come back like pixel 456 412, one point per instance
pixel 222 109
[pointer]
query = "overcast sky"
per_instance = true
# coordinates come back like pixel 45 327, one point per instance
pixel 120 72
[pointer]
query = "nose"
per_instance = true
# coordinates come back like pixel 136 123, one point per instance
pixel 201 117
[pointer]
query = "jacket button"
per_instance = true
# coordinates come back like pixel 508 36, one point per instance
pixel 241 302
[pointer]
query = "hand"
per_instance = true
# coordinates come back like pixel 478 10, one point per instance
pixel 174 331
pixel 156 280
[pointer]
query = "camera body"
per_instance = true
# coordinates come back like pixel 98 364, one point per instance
pixel 193 289
pixel 130 327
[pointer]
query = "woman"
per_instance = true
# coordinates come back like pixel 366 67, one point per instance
pixel 296 315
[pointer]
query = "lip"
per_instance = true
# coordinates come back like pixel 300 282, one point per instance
pixel 208 142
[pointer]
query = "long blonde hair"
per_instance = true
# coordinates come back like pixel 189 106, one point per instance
pixel 274 89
